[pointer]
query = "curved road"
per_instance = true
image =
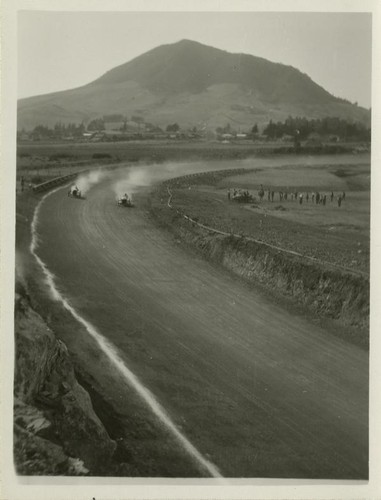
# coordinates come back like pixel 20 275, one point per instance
pixel 259 391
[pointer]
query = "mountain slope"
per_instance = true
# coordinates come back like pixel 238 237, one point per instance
pixel 192 67
pixel 191 83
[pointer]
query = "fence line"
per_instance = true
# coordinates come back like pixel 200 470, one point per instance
pixel 260 242
pixel 56 181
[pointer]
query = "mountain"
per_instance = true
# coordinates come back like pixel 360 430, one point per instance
pixel 192 84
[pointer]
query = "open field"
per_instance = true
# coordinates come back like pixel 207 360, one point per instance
pixel 38 158
pixel 339 235
pixel 325 178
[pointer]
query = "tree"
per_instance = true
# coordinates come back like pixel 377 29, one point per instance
pixel 174 127
pixel 97 124
pixel 254 130
pixel 270 130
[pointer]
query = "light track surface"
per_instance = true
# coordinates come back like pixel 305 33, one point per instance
pixel 259 391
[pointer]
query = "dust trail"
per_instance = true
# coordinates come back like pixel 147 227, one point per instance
pixel 86 181
pixel 135 178
pixel 111 352
pixel 132 180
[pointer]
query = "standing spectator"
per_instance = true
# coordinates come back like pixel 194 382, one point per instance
pixel 229 194
pixel 313 197
pixel 331 196
pixel 307 196
pixel 339 201
pixel 317 198
pixel 324 199
pixel 268 195
pixel 285 195
pixel 300 198
pixel 272 195
pixel 343 196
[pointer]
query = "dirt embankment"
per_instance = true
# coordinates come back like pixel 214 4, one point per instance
pixel 324 292
pixel 55 428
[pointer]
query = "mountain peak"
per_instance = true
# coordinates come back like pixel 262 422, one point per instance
pixel 190 66
pixel 187 80
pixel 186 41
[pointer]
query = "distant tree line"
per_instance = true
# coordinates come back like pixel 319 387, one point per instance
pixel 296 127
pixel 59 130
pixel 328 126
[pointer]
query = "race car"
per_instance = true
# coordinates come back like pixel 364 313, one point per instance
pixel 74 192
pixel 124 201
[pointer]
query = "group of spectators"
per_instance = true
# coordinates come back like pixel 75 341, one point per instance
pixel 316 197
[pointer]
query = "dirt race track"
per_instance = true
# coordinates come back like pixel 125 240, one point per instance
pixel 259 391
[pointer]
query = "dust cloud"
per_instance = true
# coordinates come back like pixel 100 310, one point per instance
pixel 86 181
pixel 132 180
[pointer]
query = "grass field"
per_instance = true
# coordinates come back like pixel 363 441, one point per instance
pixel 339 235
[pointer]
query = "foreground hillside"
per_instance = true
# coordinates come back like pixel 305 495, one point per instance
pixel 192 84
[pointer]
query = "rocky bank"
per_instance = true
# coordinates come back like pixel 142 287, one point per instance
pixel 56 431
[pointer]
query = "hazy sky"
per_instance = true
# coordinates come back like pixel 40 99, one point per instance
pixel 62 50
